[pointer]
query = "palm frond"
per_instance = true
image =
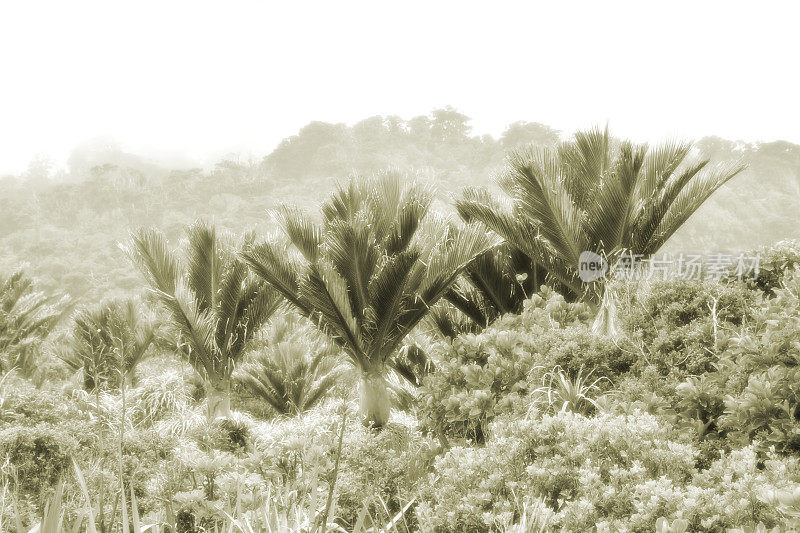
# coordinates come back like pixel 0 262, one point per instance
pixel 303 233
pixel 204 264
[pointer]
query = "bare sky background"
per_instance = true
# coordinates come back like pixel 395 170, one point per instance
pixel 201 79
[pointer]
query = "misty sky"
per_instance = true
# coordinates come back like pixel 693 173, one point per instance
pixel 204 79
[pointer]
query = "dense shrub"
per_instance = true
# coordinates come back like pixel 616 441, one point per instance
pixel 767 410
pixel 619 472
pixel 39 455
pixel 748 393
pixel 23 404
pixel 300 453
pixel 479 376
pixel 681 325
pixel 773 262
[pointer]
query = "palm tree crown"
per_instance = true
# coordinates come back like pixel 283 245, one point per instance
pixel 27 316
pixel 215 305
pixel 369 273
pixel 593 194
pixel 108 342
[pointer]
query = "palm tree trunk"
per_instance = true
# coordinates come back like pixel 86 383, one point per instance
pixel 374 401
pixel 218 398
pixel 605 323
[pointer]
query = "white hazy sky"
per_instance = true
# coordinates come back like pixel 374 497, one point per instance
pixel 203 79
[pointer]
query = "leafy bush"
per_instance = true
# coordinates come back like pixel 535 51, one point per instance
pixel 23 404
pixel 613 472
pixel 774 261
pixel 767 410
pixel 39 454
pixel 160 395
pixel 478 377
pixel 762 372
pixel 299 453
pixel 700 404
pixel 682 325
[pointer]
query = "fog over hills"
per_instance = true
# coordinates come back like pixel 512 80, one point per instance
pixel 66 223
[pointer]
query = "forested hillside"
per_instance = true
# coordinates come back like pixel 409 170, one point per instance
pixel 66 224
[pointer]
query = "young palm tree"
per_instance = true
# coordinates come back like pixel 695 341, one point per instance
pixel 108 342
pixel 370 272
pixel 290 376
pixel 27 317
pixel 215 306
pixel 293 365
pixel 591 194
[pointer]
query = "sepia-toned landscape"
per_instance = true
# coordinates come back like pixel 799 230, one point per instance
pixel 257 276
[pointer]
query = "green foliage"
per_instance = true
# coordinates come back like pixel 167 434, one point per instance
pixel 375 468
pixel 496 283
pixel 39 455
pixel 685 324
pixel 609 472
pixel 700 404
pixel 773 262
pixel 767 410
pixel 23 404
pixel 158 396
pixel 480 376
pixel 108 342
pixel 560 392
pixel 700 433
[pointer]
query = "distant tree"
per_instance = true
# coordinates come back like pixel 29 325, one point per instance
pixel 215 306
pixel 395 126
pixel 449 125
pixel 419 129
pixel 317 150
pixel 39 172
pixel 370 273
pixel 370 131
pixel 522 133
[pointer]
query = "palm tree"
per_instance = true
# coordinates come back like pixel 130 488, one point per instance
pixel 108 342
pixel 27 317
pixel 215 305
pixel 593 194
pixel 370 272
pixel 289 376
pixel 293 367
